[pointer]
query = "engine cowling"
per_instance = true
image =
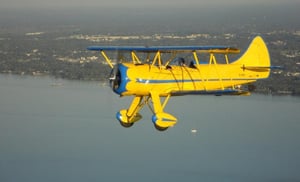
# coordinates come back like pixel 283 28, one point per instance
pixel 118 78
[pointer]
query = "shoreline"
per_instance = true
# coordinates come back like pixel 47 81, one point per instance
pixel 102 81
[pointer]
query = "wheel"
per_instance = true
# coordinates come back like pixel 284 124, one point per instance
pixel 126 125
pixel 160 128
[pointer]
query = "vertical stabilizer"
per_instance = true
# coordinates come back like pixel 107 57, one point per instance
pixel 256 58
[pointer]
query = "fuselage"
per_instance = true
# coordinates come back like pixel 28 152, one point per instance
pixel 140 79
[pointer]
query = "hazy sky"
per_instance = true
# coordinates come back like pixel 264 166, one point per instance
pixel 128 3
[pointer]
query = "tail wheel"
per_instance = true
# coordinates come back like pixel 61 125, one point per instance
pixel 126 125
pixel 160 128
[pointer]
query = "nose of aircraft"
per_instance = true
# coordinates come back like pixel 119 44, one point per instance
pixel 115 78
pixel 118 78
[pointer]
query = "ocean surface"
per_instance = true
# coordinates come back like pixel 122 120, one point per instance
pixel 57 130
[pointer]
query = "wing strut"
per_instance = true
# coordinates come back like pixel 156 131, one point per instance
pixel 107 59
pixel 135 58
pixel 157 58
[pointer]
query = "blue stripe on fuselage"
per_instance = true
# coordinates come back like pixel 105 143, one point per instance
pixel 139 80
pixel 164 81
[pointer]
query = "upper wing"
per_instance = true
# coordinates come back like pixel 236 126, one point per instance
pixel 210 49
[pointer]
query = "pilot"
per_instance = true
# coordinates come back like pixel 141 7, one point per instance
pixel 181 62
pixel 192 64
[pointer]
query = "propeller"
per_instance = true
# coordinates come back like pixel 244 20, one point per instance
pixel 115 75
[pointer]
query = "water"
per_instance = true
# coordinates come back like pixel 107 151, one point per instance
pixel 58 130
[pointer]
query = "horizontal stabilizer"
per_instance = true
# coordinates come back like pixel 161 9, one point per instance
pixel 256 68
pixel 260 68
pixel 277 67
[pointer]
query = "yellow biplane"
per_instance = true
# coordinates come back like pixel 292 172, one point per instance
pixel 161 73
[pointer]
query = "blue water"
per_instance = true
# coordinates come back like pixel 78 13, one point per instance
pixel 57 130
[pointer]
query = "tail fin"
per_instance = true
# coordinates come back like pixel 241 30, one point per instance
pixel 256 58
